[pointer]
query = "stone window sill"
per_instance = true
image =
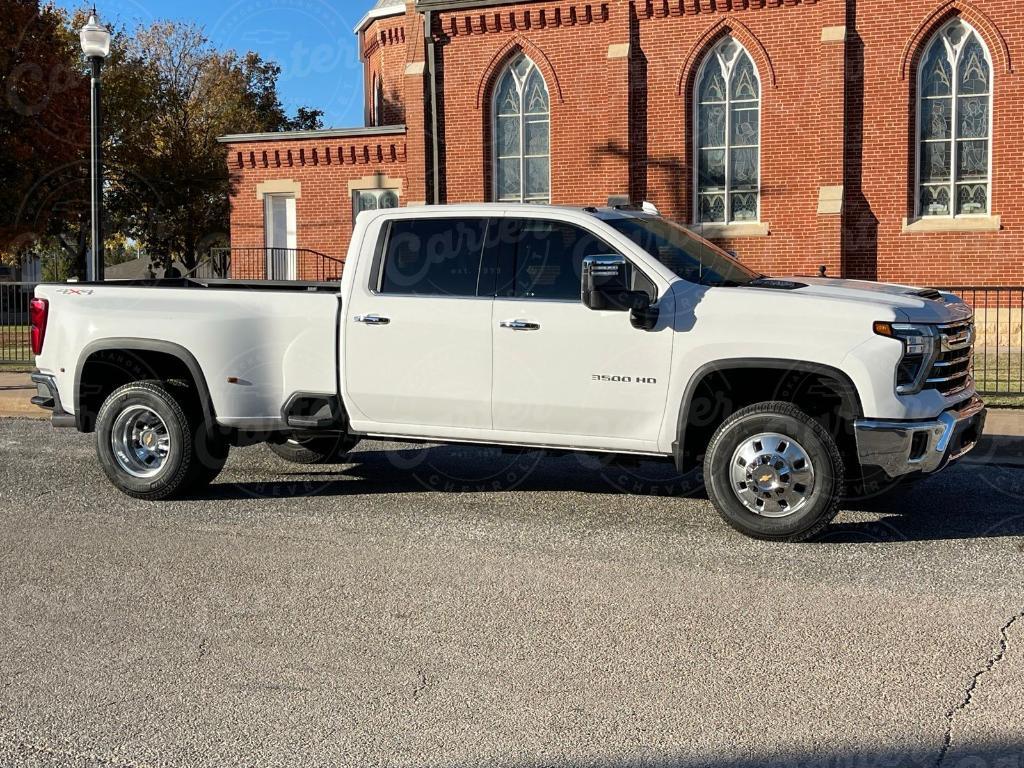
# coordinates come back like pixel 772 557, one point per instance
pixel 958 224
pixel 729 231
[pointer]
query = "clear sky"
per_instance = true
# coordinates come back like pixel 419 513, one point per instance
pixel 311 40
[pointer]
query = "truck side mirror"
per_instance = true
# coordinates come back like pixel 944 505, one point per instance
pixel 642 314
pixel 606 287
pixel 605 282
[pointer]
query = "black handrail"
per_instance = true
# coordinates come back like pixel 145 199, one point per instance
pixel 265 263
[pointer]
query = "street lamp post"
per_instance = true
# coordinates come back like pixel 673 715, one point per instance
pixel 96 46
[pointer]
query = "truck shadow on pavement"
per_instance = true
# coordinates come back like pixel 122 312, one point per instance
pixel 965 502
pixel 983 755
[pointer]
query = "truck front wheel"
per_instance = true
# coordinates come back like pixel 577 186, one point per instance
pixel 315 449
pixel 152 443
pixel 774 473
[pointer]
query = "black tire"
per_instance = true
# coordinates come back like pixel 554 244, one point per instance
pixel 819 503
pixel 190 458
pixel 212 450
pixel 211 456
pixel 315 449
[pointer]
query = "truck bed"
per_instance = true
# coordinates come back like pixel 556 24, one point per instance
pixel 255 342
pixel 227 284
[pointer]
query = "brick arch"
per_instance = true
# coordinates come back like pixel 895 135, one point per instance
pixel 718 30
pixel 516 45
pixel 983 24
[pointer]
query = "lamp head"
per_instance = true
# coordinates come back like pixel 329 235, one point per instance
pixel 95 39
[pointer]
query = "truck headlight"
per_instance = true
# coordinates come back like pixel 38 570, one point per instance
pixel 920 350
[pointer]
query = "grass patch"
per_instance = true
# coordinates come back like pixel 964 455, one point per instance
pixel 1015 402
pixel 1001 373
pixel 15 347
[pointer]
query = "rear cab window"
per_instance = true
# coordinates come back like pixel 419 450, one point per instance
pixel 432 257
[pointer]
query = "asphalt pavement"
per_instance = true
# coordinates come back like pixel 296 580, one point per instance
pixel 465 607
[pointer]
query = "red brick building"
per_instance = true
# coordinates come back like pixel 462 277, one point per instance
pixel 881 138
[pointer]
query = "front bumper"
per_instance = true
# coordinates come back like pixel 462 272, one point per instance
pixel 905 447
pixel 48 396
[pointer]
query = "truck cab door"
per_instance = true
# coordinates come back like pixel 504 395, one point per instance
pixel 417 336
pixel 563 372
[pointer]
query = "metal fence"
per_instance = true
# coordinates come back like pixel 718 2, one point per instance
pixel 269 264
pixel 15 345
pixel 999 345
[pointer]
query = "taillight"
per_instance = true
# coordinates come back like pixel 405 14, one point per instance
pixel 38 311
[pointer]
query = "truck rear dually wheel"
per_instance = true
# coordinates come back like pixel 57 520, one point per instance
pixel 152 442
pixel 774 473
pixel 315 449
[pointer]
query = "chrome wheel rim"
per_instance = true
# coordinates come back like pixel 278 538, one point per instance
pixel 140 441
pixel 772 475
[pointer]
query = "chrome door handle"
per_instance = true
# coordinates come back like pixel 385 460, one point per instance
pixel 519 325
pixel 372 319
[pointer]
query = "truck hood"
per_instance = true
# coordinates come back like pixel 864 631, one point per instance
pixel 914 304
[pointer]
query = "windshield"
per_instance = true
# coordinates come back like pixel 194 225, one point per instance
pixel 692 258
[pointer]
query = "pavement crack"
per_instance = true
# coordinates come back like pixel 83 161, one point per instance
pixel 14 675
pixel 420 686
pixel 202 650
pixel 968 697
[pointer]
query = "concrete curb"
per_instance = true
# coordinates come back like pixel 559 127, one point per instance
pixel 1006 422
pixel 1003 443
pixel 16 389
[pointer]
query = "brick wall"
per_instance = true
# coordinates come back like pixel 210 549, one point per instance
pixel 588 94
pixel 323 168
pixel 801 79
pixel 384 53
pixel 837 102
pixel 881 174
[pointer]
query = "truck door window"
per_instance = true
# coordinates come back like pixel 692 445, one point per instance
pixel 543 260
pixel 433 257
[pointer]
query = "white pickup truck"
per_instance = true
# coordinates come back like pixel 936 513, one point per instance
pixel 596 330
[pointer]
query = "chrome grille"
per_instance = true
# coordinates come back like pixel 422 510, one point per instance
pixel 951 373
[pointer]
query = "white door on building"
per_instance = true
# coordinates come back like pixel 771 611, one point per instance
pixel 279 218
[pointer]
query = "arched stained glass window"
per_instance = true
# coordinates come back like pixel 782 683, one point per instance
pixel 522 134
pixel 728 136
pixel 954 124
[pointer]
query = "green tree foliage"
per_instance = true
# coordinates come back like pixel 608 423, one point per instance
pixel 43 122
pixel 172 187
pixel 167 95
pixel 307 120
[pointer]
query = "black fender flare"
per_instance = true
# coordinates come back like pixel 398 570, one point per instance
pixel 115 344
pixel 848 390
